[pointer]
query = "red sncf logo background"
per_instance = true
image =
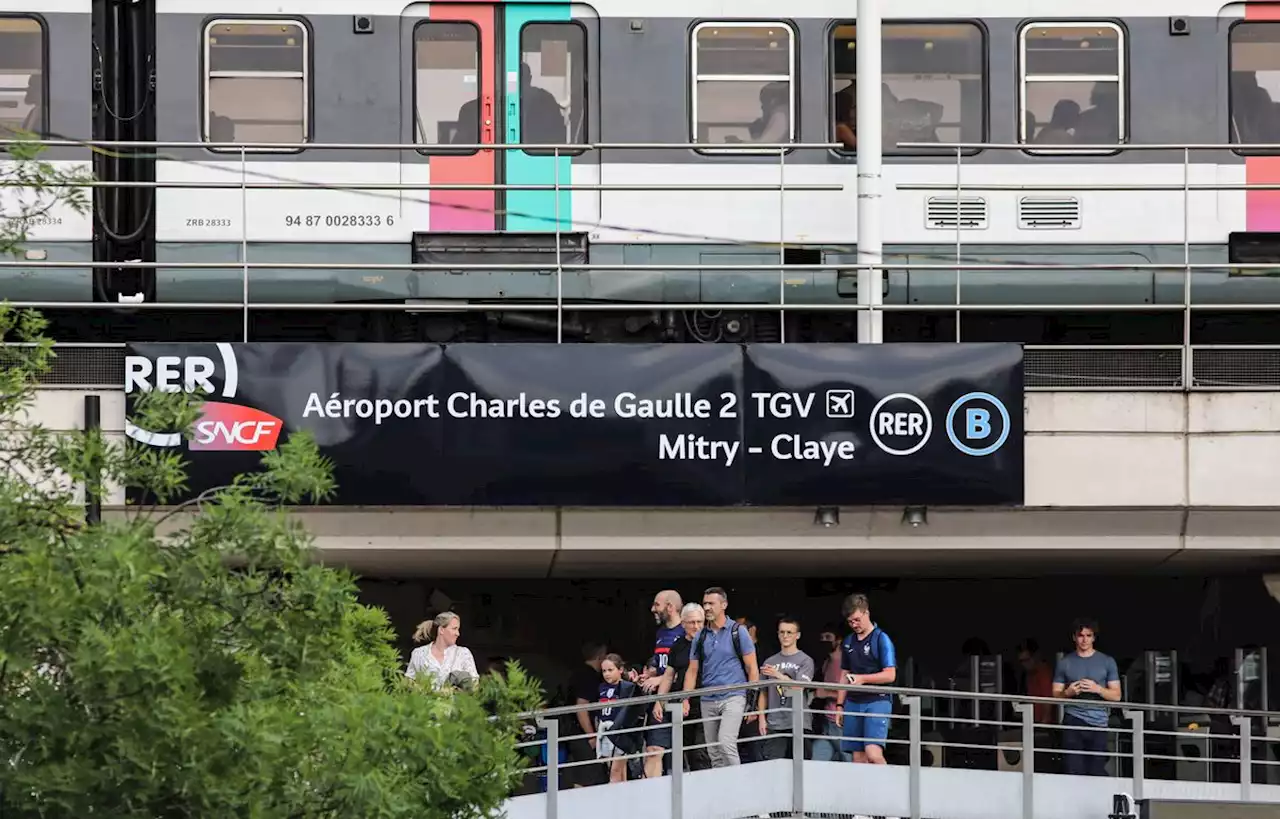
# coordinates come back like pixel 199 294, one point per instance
pixel 225 427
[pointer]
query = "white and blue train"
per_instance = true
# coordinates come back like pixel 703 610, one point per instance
pixel 683 78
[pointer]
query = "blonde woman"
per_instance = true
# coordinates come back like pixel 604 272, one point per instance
pixel 446 662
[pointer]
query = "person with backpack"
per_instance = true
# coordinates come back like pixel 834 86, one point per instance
pixel 868 658
pixel 723 654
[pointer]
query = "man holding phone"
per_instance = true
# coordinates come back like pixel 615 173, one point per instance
pixel 1086 675
pixel 775 701
pixel 868 658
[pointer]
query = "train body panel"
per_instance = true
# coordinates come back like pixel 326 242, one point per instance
pixel 665 73
pixel 728 9
pixel 43 95
pixel 368 100
pixel 798 217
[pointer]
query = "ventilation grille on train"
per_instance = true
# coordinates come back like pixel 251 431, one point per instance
pixel 1048 213
pixel 940 213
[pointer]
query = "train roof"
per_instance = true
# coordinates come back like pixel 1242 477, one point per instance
pixel 721 9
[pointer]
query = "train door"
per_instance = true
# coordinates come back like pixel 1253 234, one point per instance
pixel 1255 62
pixel 512 73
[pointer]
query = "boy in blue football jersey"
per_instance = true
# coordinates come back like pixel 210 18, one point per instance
pixel 868 658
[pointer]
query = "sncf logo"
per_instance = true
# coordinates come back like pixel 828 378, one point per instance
pixel 224 427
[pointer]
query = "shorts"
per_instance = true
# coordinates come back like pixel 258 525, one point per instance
pixel 867 720
pixel 659 733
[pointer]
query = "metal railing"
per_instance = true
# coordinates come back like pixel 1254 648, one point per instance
pixel 1147 746
pixel 1222 360
pixel 1059 368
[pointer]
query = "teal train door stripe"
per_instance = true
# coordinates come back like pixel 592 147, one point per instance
pixel 531 211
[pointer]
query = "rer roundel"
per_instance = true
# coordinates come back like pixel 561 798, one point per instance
pixel 900 424
pixel 978 424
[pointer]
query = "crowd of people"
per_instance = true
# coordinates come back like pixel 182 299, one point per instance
pixel 698 646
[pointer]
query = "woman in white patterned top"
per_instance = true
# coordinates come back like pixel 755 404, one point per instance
pixel 442 658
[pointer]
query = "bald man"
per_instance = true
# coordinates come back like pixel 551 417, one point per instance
pixel 666 614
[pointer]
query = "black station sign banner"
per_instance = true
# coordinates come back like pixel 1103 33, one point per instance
pixel 609 424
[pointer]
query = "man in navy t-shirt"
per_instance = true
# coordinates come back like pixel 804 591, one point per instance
pixel 868 658
pixel 657 740
pixel 1085 676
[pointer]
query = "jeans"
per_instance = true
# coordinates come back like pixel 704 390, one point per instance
pixel 724 722
pixel 1081 764
pixel 776 746
pixel 828 750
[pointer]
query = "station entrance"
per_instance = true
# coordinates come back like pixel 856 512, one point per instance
pixel 1188 632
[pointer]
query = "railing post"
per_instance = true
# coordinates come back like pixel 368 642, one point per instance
pixel 675 715
pixel 1028 712
pixel 1139 721
pixel 244 238
pixel 914 734
pixel 93 478
pixel 559 262
pixel 797 751
pixel 869 115
pixel 959 191
pixel 782 245
pixel 1186 272
pixel 1245 724
pixel 552 727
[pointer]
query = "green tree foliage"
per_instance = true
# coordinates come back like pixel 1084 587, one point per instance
pixel 194 659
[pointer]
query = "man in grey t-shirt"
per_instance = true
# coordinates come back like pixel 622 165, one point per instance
pixel 788 664
pixel 1087 675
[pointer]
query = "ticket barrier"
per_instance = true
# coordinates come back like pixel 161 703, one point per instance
pixel 1205 736
pixel 1250 691
pixel 973 722
pixel 1156 680
pixel 931 709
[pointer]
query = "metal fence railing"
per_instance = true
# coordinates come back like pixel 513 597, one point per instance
pixel 1182 366
pixel 1059 368
pixel 1145 746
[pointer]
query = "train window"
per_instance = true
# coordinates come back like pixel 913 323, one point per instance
pixel 553 84
pixel 1072 88
pixel 933 87
pixel 256 81
pixel 1255 83
pixel 446 64
pixel 743 83
pixel 22 72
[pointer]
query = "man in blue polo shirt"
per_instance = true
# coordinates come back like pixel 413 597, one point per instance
pixel 868 658
pixel 721 654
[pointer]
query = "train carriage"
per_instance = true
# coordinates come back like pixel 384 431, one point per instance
pixel 39 93
pixel 343 138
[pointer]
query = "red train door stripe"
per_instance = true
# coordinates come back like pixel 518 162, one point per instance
pixel 1262 207
pixel 469 210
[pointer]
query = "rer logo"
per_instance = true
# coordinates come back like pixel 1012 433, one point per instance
pixel 978 424
pixel 901 424
pixel 221 426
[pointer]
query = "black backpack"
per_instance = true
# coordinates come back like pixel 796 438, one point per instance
pixel 700 652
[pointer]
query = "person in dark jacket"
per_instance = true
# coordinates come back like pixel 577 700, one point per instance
pixel 614 740
pixel 692 618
